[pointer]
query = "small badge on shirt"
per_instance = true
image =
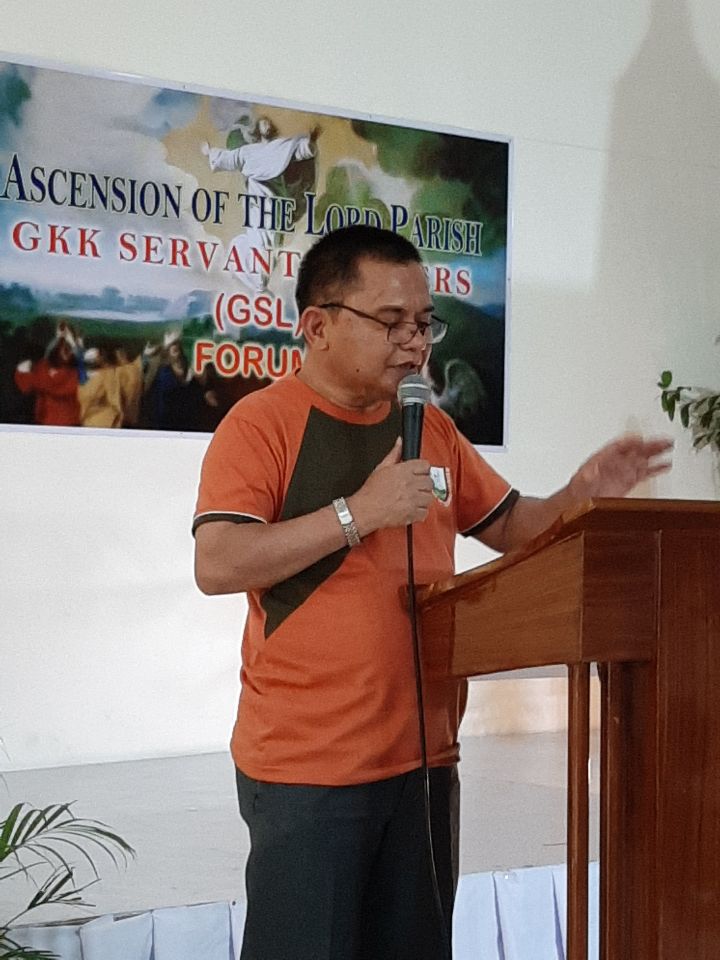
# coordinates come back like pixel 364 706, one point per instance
pixel 440 477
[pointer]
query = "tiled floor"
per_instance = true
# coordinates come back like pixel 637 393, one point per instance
pixel 180 815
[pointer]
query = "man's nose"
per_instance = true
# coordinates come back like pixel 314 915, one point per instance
pixel 417 345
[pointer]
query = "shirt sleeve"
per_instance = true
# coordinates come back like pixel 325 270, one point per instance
pixel 482 495
pixel 242 475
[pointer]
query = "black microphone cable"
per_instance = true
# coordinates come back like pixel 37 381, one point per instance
pixel 412 610
pixel 413 394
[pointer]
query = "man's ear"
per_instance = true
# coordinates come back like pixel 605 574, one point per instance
pixel 314 324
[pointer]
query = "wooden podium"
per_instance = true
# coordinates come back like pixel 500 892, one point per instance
pixel 634 586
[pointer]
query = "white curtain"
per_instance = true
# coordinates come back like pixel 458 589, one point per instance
pixel 506 915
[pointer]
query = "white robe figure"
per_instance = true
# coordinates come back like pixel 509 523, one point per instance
pixel 258 163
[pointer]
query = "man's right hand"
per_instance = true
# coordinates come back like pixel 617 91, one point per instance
pixel 236 557
pixel 395 494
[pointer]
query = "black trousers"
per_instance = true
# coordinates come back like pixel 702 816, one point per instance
pixel 342 873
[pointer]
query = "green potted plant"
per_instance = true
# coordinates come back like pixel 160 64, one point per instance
pixel 44 845
pixel 698 408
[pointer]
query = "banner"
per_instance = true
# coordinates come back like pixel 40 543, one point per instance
pixel 150 239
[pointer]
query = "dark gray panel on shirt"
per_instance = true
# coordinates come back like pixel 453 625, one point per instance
pixel 334 460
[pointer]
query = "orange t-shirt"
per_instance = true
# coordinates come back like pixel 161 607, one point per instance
pixel 328 691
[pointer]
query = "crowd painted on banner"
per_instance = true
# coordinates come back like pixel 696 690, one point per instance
pixel 126 195
pixel 105 387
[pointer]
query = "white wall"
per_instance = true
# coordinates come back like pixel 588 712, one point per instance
pixel 614 108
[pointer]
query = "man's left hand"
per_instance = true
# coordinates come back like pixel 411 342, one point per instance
pixel 618 467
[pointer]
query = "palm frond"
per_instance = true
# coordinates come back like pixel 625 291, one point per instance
pixel 33 840
pixel 59 887
pixel 38 829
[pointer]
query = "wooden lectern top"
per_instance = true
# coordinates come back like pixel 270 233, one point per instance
pixel 583 591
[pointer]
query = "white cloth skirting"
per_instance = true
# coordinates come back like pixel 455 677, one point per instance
pixel 510 915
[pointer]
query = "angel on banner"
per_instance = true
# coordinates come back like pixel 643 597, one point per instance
pixel 264 162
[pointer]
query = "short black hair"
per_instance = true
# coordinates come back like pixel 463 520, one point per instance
pixel 331 264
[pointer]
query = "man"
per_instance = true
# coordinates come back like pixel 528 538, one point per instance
pixel 303 500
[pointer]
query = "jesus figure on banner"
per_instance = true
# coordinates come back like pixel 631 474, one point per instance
pixel 260 162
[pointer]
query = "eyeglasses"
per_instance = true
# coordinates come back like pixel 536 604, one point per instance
pixel 399 332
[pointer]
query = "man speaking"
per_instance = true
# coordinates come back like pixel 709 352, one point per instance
pixel 303 503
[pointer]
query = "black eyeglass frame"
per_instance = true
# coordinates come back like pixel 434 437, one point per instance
pixel 424 329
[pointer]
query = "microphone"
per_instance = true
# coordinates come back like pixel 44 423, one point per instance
pixel 413 393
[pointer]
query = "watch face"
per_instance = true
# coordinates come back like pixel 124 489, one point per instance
pixel 341 508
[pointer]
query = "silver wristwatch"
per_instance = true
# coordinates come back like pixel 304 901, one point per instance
pixel 346 522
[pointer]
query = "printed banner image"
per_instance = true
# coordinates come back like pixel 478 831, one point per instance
pixel 150 240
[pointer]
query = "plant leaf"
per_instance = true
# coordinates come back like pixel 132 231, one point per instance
pixel 665 379
pixel 100 833
pixel 53 885
pixel 8 826
pixel 33 823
